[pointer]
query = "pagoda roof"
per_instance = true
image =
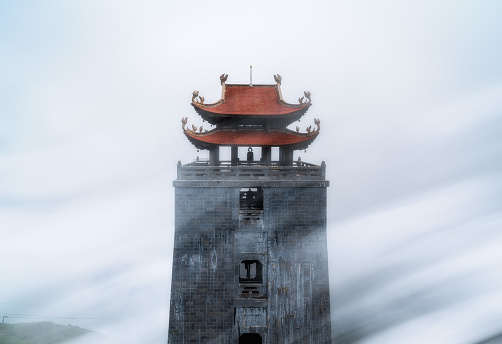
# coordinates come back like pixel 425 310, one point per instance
pixel 251 138
pixel 251 104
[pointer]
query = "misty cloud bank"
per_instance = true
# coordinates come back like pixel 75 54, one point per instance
pixel 410 102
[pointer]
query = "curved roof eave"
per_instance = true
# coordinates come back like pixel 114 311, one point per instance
pixel 214 118
pixel 250 138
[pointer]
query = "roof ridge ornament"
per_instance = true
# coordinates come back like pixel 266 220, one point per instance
pixel 223 78
pixel 200 101
pixel 307 95
pixel 183 123
pixel 278 78
pixel 311 132
pixel 194 128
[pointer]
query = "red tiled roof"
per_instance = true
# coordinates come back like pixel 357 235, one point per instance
pixel 255 100
pixel 250 138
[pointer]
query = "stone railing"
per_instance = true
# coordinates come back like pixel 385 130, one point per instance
pixel 303 171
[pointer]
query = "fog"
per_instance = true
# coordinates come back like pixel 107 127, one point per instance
pixel 410 101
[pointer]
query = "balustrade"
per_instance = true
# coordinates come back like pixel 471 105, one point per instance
pixel 202 171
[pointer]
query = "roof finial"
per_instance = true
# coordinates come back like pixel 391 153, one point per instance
pixel 278 78
pixel 251 76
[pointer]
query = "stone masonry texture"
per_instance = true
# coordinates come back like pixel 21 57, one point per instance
pixel 288 238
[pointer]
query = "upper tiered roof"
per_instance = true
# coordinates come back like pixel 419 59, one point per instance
pixel 251 104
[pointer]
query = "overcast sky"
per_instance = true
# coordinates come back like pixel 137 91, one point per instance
pixel 409 94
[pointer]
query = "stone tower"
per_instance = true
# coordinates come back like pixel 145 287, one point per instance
pixel 250 252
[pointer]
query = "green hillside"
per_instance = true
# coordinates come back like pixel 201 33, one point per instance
pixel 47 333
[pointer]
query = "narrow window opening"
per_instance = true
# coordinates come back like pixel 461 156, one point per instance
pixel 250 272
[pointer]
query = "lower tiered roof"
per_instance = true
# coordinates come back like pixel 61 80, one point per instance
pixel 251 138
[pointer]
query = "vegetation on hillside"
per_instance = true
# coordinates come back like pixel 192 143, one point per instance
pixel 45 333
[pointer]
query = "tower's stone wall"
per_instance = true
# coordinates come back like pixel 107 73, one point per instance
pixel 202 288
pixel 212 238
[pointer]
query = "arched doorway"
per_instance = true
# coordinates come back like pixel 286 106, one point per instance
pixel 250 338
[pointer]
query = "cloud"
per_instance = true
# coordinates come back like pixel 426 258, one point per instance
pixel 409 101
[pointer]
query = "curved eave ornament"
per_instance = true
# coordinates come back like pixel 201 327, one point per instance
pixel 303 102
pixel 198 101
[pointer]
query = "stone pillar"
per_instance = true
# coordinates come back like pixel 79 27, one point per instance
pixel 234 156
pixel 266 154
pixel 214 156
pixel 286 156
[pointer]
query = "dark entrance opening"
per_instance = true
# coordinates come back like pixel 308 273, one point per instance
pixel 250 338
pixel 251 199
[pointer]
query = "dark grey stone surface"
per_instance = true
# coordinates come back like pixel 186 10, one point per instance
pixel 291 304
